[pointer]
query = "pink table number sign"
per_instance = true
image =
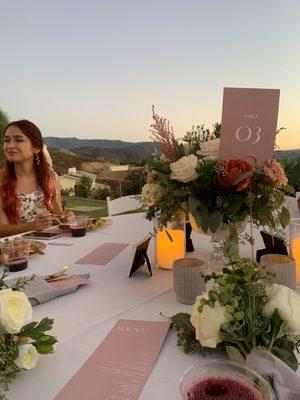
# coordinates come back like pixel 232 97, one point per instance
pixel 249 121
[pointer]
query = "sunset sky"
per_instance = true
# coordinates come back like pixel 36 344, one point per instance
pixel 92 69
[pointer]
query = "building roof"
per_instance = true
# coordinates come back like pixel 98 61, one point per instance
pixel 79 174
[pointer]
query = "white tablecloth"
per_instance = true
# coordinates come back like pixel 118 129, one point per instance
pixel 84 318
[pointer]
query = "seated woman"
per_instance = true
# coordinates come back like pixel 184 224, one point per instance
pixel 29 187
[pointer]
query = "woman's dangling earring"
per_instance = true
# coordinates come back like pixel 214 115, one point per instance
pixel 37 159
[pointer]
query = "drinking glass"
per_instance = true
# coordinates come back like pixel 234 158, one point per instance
pixel 15 254
pixel 220 379
pixel 78 225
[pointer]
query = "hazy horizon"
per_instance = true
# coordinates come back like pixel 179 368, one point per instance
pixel 93 69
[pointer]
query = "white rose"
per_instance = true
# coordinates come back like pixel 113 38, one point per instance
pixel 183 170
pixel 15 310
pixel 208 323
pixel 150 193
pixel 27 357
pixel 210 150
pixel 288 303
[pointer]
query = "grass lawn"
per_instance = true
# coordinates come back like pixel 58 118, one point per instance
pixel 75 202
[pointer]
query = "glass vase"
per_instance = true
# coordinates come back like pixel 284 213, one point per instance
pixel 295 245
pixel 170 242
pixel 225 242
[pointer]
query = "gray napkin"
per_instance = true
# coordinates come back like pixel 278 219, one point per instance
pixel 39 291
pixel 286 382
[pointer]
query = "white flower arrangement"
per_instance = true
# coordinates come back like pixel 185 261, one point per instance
pixel 21 339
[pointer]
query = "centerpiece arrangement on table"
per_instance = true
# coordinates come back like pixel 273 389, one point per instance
pixel 219 196
pixel 243 314
pixel 21 339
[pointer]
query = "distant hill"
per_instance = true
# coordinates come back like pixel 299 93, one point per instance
pixel 110 149
pixel 77 151
pixel 287 154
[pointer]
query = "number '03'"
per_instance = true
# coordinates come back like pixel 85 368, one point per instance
pixel 246 134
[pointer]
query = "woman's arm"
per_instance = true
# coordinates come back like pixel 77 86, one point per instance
pixel 57 201
pixel 41 222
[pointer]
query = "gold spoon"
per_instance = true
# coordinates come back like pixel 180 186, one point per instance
pixel 58 273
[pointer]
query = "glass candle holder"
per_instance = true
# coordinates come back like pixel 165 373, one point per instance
pixel 219 379
pixel 295 245
pixel 170 242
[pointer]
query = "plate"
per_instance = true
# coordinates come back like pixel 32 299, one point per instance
pixel 35 246
pixel 98 223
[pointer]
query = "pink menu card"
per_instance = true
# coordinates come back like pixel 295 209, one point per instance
pixel 103 254
pixel 249 120
pixel 120 366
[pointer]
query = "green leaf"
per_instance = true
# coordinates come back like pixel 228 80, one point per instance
pixel 283 330
pixel 287 356
pixel 235 355
pixel 193 204
pixel 168 235
pixel 236 203
pixel 204 218
pixel 181 320
pixel 44 348
pixel 284 217
pixel 214 221
pixel 239 315
pixel 212 295
pixel 229 308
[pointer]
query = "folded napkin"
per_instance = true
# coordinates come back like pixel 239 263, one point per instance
pixel 286 382
pixel 39 291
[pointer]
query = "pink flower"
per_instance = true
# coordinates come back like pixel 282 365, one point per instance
pixel 275 173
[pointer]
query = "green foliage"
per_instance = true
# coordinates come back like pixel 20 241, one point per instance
pixel 199 134
pixel 292 171
pixel 101 194
pixel 33 333
pixel 186 334
pixel 83 187
pixel 242 290
pixel 3 122
pixel 36 331
pixel 135 182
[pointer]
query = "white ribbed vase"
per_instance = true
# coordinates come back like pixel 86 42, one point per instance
pixel 284 268
pixel 187 279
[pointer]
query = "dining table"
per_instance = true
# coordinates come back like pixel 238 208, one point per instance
pixel 84 318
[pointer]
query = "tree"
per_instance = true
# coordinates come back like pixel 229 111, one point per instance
pixel 83 187
pixel 135 182
pixel 3 122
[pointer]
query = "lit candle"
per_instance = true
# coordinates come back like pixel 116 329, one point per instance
pixel 167 250
pixel 296 255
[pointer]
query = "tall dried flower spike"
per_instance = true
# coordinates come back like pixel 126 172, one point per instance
pixel 163 135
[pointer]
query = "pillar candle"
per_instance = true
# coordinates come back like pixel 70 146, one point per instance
pixel 168 251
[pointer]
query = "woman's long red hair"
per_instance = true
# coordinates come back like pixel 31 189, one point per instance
pixel 8 190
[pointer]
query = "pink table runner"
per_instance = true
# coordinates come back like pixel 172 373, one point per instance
pixel 103 254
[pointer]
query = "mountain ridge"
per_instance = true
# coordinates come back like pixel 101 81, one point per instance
pixel 121 150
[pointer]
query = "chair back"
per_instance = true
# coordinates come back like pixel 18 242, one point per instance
pixel 122 204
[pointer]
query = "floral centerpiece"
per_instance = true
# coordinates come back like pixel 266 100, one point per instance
pixel 242 312
pixel 21 339
pixel 188 177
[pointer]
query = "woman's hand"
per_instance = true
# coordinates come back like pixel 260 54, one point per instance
pixel 43 221
pixel 66 215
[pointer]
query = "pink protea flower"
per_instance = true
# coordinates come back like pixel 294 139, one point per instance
pixel 275 173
